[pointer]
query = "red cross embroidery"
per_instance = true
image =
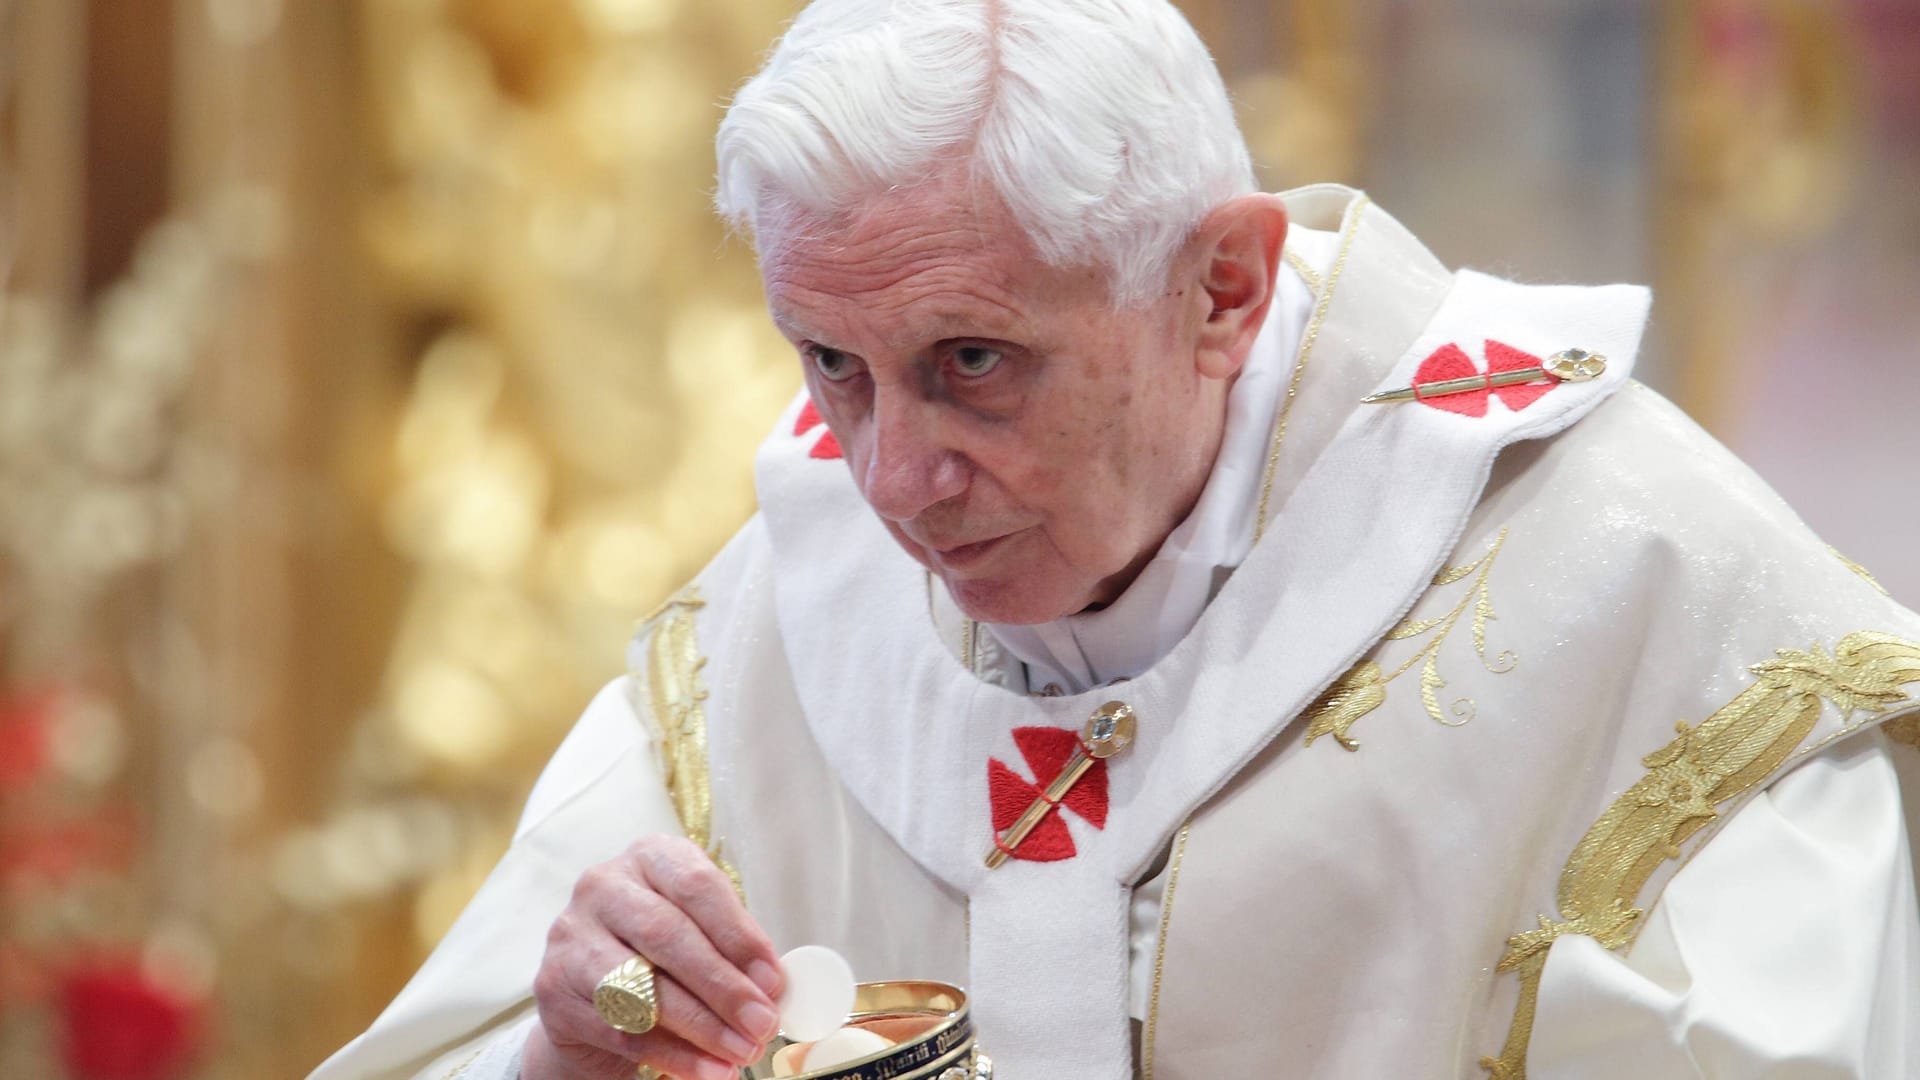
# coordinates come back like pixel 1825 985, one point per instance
pixel 1046 751
pixel 1452 362
pixel 826 446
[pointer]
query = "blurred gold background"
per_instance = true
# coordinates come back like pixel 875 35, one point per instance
pixel 368 366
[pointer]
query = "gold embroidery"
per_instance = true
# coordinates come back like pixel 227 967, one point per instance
pixel 677 695
pixel 1727 755
pixel 1304 268
pixel 1858 569
pixel 1307 341
pixel 968 628
pixel 1364 689
pixel 1354 695
pixel 1160 952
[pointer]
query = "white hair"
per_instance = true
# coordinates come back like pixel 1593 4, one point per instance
pixel 1102 125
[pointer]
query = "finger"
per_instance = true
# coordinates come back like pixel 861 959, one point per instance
pixel 664 1051
pixel 672 1056
pixel 662 933
pixel 686 1016
pixel 684 1030
pixel 678 870
pixel 679 1012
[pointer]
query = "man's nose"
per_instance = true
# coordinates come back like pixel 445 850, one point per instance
pixel 909 466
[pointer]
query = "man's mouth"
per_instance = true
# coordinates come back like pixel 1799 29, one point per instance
pixel 962 556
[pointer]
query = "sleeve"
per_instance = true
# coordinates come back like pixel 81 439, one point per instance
pixel 603 788
pixel 1789 947
pixel 493 1056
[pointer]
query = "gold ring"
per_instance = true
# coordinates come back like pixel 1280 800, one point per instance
pixel 647 1072
pixel 625 998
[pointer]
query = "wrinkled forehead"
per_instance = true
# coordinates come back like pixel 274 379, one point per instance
pixel 967 215
pixel 912 265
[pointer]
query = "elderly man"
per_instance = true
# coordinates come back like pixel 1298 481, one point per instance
pixel 1446 648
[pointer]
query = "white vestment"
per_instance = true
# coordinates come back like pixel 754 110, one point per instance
pixel 1503 615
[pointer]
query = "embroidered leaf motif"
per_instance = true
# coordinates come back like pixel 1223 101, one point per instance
pixel 1431 684
pixel 1411 629
pixel 1728 754
pixel 1353 696
pixel 1363 689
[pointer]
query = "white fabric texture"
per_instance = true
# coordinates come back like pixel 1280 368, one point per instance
pixel 1790 948
pixel 494 1056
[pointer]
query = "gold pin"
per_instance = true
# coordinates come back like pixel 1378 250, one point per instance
pixel 1567 365
pixel 1107 732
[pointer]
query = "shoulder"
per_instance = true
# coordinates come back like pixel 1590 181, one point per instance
pixel 617 729
pixel 730 585
pixel 1640 560
pixel 1638 493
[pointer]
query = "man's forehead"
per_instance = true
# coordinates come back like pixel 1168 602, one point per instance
pixel 912 279
pixel 955 199
pixel 840 320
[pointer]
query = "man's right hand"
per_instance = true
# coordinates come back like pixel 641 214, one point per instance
pixel 715 972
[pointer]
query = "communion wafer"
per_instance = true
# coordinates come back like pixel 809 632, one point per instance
pixel 847 1044
pixel 818 994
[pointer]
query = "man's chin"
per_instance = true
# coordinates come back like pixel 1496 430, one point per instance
pixel 1007 602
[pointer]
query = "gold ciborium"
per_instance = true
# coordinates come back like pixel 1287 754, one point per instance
pixel 927 1023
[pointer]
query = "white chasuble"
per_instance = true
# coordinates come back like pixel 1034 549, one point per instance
pixel 1496 668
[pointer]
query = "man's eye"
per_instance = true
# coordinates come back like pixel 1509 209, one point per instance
pixel 975 361
pixel 832 364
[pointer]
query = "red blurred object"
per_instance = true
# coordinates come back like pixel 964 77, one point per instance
pixel 55 852
pixel 119 1025
pixel 24 723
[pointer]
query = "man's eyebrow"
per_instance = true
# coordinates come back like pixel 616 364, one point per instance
pixel 941 326
pixel 790 327
pixel 1003 323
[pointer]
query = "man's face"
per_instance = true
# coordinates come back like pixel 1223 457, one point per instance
pixel 1017 436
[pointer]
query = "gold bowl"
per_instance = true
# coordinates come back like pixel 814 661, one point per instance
pixel 928 1023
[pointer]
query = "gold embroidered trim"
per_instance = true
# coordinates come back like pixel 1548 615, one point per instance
pixel 968 631
pixel 678 697
pixel 1312 335
pixel 1364 688
pixel 1727 755
pixel 1858 569
pixel 1304 268
pixel 1160 952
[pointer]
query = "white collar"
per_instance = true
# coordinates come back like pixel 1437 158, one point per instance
pixel 1076 653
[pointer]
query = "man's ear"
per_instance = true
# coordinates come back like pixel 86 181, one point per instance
pixel 1238 259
